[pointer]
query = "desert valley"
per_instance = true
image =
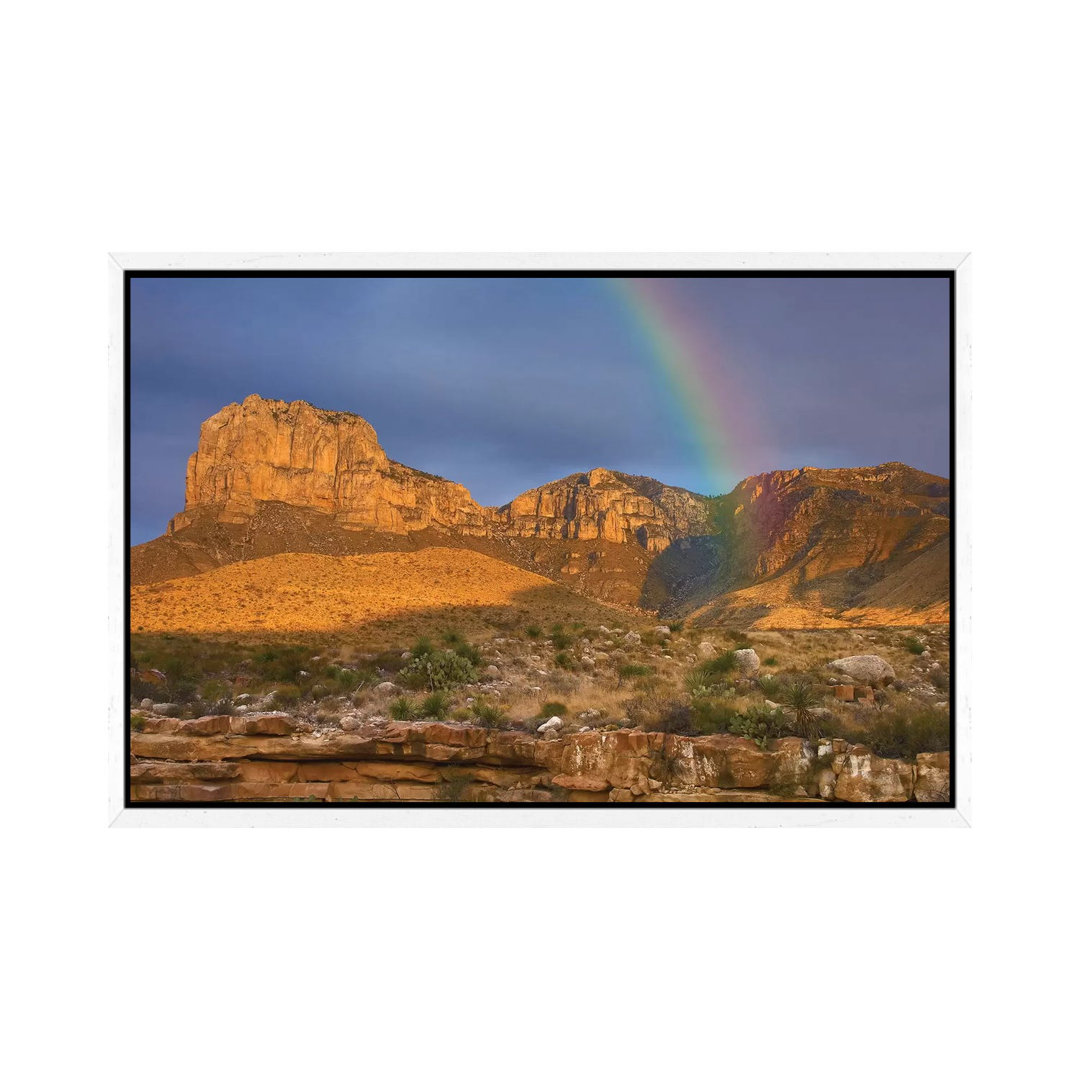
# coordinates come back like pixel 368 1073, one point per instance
pixel 323 624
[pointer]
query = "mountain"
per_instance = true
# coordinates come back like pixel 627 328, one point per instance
pixel 806 547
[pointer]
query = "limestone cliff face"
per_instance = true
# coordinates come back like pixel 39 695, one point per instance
pixel 263 451
pixel 605 505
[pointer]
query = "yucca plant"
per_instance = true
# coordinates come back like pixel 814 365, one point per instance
pixel 798 695
pixel 402 709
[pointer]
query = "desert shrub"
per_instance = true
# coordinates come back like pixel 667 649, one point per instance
pixel 461 715
pixel 739 637
pixel 435 705
pixel 711 717
pixel 634 671
pixel 564 661
pixel 402 709
pixel 453 788
pixel 345 679
pixel 468 652
pixel 759 726
pixel 939 679
pixel 137 723
pixel 389 660
pixel 438 671
pixel 903 731
pixel 914 645
pixel 720 665
pixel 534 631
pixel 676 719
pixel 451 638
pixel 320 691
pixel 561 640
pixel 798 695
pixel 697 683
pixel 422 647
pixel 490 716
pixel 770 661
pixel 676 626
pixel 286 695
pixel 221 707
pixel 553 708
pixel 283 663
pixel 770 685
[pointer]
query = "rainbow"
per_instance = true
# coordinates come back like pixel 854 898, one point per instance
pixel 690 366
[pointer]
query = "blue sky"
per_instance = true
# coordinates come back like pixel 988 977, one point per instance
pixel 503 384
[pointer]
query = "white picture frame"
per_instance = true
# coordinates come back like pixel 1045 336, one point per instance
pixel 509 816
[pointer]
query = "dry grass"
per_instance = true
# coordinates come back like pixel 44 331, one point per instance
pixel 326 594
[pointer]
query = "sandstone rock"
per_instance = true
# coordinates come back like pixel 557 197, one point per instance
pixel 147 703
pixel 632 638
pixel 386 688
pixel 866 778
pixel 553 724
pixel 844 693
pixel 932 777
pixel 868 669
pixel 166 708
pixel 706 650
pixel 492 671
pixel 663 631
pixel 748 661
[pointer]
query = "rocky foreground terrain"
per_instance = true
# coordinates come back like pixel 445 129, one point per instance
pixel 566 714
pixel 802 548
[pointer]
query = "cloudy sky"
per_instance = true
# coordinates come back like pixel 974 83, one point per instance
pixel 505 383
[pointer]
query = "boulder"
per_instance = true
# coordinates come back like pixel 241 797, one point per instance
pixel 748 661
pixel 632 638
pixel 932 777
pixel 492 671
pixel 386 688
pixel 868 669
pixel 706 650
pixel 553 724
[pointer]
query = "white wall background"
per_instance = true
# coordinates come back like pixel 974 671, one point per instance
pixel 557 127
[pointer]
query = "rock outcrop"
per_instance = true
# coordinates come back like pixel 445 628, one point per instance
pixel 263 451
pixel 606 505
pixel 270 758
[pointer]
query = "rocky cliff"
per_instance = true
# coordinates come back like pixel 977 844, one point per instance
pixel 825 540
pixel 263 451
pixel 606 505
pixel 275 758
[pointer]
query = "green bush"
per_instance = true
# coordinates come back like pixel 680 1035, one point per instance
pixel 438 671
pixel 798 695
pixel 563 661
pixel 451 638
pixel 490 716
pixel 285 695
pixel 534 631
pixel 634 671
pixel 914 645
pixel 137 723
pixel 697 683
pixel 422 647
pixel 402 709
pixel 770 661
pixel 906 730
pixel 720 665
pixel 561 640
pixel 553 708
pixel 435 705
pixel 676 626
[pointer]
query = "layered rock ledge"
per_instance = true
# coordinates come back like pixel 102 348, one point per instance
pixel 275 758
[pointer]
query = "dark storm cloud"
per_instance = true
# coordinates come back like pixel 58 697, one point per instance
pixel 504 384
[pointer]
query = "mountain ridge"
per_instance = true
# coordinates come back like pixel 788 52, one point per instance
pixel 271 476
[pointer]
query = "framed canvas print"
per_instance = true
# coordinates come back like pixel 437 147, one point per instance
pixel 539 540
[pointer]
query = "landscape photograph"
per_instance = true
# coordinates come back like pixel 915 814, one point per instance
pixel 536 539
